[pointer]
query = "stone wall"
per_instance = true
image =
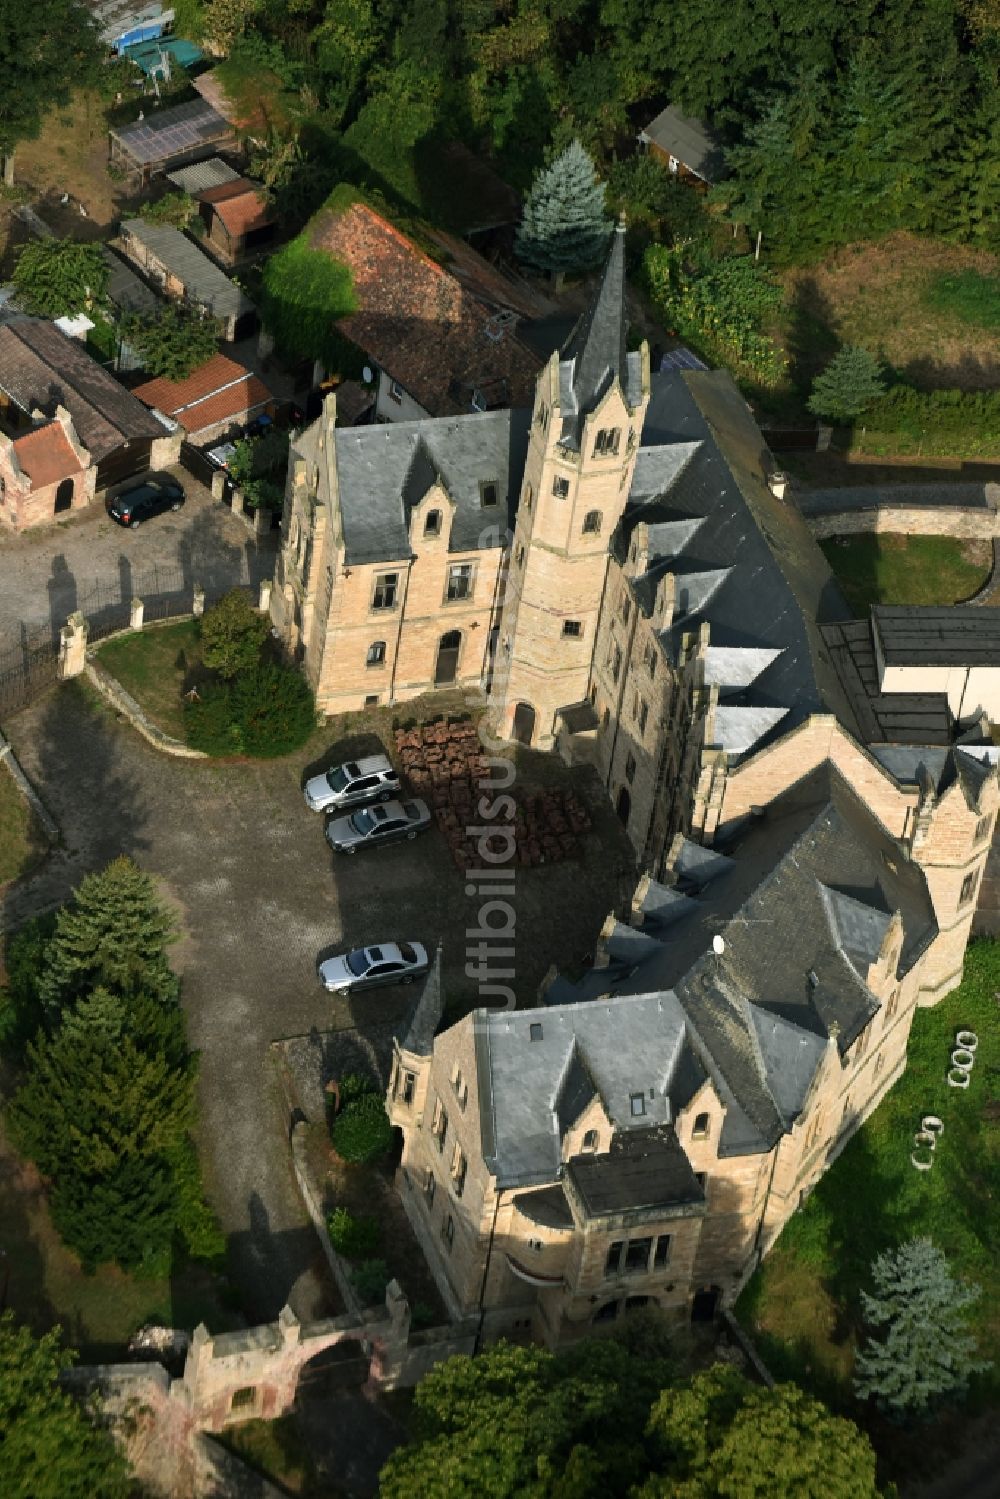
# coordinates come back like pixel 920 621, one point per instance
pixel 966 511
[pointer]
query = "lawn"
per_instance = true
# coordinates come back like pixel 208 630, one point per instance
pixel 157 665
pixel 928 308
pixel 802 1306
pixel 99 1312
pixel 889 568
pixel 21 844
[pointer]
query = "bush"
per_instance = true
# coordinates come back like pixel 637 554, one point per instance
pixel 304 292
pixel 370 1280
pixel 361 1131
pixel 265 713
pixel 720 306
pixel 354 1238
pixel 945 422
pixel 232 635
pixel 179 210
pixel 21 1009
pixel 172 341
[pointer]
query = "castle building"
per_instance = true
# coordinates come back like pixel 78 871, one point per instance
pixel 641 595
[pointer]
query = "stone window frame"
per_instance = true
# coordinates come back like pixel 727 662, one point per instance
pixel 460 1086
pixel 572 629
pixel 641 712
pixel 637 1105
pixel 519 555
pixel 439 1124
pixel 625 608
pixel 459 1170
pixel 383 584
pixel 630 767
pixel 560 487
pixel 701 1126
pixel 649 660
pixel 590 1141
pixel 468 571
pixel 396 392
pixel 375 656
pixel 245 1400
pixel 430 1187
pixel 406 1086
pixel 433 523
pixel 615 659
pixel 484 486
pixel 969 887
pixel 891 1005
pixel 983 826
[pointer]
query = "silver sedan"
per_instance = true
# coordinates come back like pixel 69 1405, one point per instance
pixel 370 967
pixel 371 827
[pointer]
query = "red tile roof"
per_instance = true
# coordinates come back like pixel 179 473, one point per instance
pixel 219 390
pixel 46 455
pixel 240 205
pixel 415 320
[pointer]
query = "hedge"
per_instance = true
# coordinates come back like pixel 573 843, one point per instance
pixel 949 423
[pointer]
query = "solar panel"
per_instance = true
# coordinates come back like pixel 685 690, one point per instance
pixel 183 128
pixel 681 359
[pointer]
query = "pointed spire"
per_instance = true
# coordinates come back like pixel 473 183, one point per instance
pixel 596 347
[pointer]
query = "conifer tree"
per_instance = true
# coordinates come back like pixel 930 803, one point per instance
pixel 49 1449
pixel 113 933
pixel 564 226
pixel 851 382
pixel 927 1350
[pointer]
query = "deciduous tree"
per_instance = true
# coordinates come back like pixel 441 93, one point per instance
pixel 926 1352
pixel 172 341
pixel 60 277
pixel 233 634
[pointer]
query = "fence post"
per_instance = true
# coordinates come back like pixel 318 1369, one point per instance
pixel 219 484
pixel 264 603
pixel 72 647
pixel 198 605
pixel 136 615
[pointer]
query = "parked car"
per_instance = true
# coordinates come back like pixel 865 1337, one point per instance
pixel 140 503
pixel 221 455
pixel 371 827
pixel 372 779
pixel 371 967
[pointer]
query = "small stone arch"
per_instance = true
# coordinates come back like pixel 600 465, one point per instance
pixel 64 497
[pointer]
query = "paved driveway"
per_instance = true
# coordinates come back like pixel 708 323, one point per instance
pixel 90 563
pixel 259 896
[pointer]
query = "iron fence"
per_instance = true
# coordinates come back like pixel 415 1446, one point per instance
pixel 26 670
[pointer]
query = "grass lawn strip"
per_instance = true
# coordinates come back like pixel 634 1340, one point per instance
pixel 889 568
pixel 21 844
pixel 803 1305
pixel 156 666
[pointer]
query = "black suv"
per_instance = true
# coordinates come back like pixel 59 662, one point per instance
pixel 151 497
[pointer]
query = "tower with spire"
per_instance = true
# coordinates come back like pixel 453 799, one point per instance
pixel 590 401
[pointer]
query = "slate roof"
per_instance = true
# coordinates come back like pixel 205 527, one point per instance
pixel 919 636
pixel 41 367
pixel 424 328
pixel 203 282
pixel 919 718
pixel 595 353
pixel 46 455
pixel 383 471
pixel 219 390
pixel 646 1170
pixel 802 899
pixel 744 561
pixel 166 133
pixel 689 140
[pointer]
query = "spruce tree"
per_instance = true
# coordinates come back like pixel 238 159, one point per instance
pixel 564 226
pixel 851 382
pixel 927 1350
pixel 113 933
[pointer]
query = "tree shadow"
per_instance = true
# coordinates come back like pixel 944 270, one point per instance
pixel 812 336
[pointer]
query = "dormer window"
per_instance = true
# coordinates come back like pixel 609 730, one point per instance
pixel 432 523
pixel 489 493
pixel 590 1140
pixel 606 442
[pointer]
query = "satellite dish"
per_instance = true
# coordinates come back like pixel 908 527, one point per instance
pixel 718 946
pixel 366 374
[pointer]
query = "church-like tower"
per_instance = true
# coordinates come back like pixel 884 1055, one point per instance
pixel 590 402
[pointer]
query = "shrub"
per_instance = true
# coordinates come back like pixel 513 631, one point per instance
pixel 232 634
pixel 361 1131
pixel 179 210
pixel 422 1315
pixel 265 713
pixel 946 422
pixel 720 306
pixel 354 1238
pixel 172 341
pixel 59 277
pixel 370 1280
pixel 304 292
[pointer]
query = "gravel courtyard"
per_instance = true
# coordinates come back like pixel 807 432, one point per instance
pixel 259 896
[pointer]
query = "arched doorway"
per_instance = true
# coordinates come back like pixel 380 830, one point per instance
pixel 447 658
pixel 623 806
pixel 705 1304
pixel 523 729
pixel 64 496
